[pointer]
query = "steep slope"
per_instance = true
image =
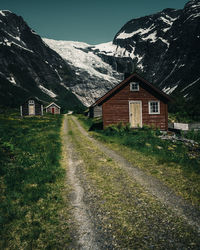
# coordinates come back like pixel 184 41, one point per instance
pixel 165 46
pixel 96 71
pixel 29 67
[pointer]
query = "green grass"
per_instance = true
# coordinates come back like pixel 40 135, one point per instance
pixel 87 122
pixel 193 135
pixel 31 183
pixel 172 162
pixel 134 218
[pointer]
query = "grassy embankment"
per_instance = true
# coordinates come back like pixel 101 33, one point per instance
pixel 134 218
pixel 172 162
pixel 31 183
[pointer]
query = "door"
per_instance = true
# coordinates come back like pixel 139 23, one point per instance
pixel 135 114
pixel 52 110
pixel 31 109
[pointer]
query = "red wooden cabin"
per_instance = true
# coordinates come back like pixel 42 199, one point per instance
pixel 53 108
pixel 135 101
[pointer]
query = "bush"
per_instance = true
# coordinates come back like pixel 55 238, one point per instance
pixel 193 135
pixel 119 128
pixel 96 125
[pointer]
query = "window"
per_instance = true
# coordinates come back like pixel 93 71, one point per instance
pixel 31 102
pixel 154 107
pixel 134 86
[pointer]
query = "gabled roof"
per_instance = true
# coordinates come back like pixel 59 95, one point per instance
pixel 33 98
pixel 53 103
pixel 111 92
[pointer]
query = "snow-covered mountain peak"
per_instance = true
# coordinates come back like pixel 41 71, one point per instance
pixel 28 67
pixel 164 46
pixel 4 12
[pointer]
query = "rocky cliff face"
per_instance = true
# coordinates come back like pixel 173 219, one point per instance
pixel 28 67
pixel 165 46
pixel 95 71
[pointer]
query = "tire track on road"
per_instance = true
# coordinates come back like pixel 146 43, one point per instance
pixel 151 184
pixel 86 238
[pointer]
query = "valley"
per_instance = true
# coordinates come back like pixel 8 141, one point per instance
pixel 67 183
pixel 95 192
pixel 74 74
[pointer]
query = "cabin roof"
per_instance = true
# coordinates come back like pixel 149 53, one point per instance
pixel 33 98
pixel 117 88
pixel 53 103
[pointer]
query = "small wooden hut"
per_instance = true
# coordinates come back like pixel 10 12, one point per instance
pixel 32 106
pixel 53 108
pixel 95 111
pixel 134 101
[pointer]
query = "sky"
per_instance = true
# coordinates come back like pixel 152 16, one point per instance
pixel 90 21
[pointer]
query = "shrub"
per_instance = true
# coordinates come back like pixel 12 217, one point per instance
pixel 119 128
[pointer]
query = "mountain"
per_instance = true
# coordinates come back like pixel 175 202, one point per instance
pixel 28 67
pixel 95 71
pixel 164 47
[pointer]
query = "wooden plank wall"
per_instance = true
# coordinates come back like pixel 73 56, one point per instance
pixel 56 109
pixel 25 110
pixel 116 109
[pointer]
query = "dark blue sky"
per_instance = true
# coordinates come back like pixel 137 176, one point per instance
pixel 91 21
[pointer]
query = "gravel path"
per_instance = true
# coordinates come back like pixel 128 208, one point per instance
pixel 152 185
pixel 85 236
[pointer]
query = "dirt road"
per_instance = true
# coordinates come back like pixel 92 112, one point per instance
pixel 117 206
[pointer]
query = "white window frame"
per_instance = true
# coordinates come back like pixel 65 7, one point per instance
pixel 154 113
pixel 134 89
pixel 31 102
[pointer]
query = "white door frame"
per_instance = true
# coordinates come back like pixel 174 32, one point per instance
pixel 140 102
pixel 33 105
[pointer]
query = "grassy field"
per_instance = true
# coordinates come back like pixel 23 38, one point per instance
pixel 134 218
pixel 32 214
pixel 172 162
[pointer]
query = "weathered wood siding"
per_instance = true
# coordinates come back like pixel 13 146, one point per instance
pixel 50 109
pixel 116 108
pixel 95 111
pixel 38 108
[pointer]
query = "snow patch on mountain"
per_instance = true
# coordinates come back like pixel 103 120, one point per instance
pixel 164 41
pixel 93 76
pixel 47 91
pixel 12 80
pixel 2 13
pixel 78 55
pixel 169 90
pixel 152 37
pixel 106 48
pixel 193 16
pixel 191 84
pixel 124 35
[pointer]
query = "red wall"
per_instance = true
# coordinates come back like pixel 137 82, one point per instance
pixel 116 109
pixel 56 109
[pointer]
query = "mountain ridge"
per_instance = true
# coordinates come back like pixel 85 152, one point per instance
pixel 163 47
pixel 29 67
